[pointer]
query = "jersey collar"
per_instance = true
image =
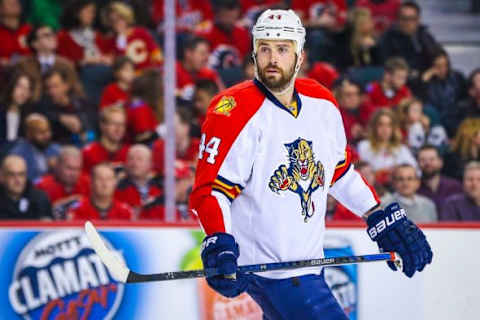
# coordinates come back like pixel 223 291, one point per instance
pixel 275 101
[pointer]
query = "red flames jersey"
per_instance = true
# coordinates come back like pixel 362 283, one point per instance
pixel 14 42
pixel 146 202
pixel 380 99
pixel 314 8
pixel 190 155
pixel 186 80
pixel 113 95
pixel 265 170
pixel 70 49
pixel 94 153
pixel 141 48
pixel 56 191
pixel 84 209
pixel 140 118
pixel 189 13
pixel 239 39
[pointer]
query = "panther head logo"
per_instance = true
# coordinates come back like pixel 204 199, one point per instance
pixel 302 176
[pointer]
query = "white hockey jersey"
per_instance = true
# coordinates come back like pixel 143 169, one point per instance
pixel 265 170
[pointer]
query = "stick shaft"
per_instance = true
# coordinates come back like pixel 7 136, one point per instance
pixel 134 277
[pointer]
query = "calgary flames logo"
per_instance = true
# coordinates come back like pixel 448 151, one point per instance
pixel 303 176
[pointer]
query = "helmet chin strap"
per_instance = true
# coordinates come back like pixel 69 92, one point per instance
pixel 290 83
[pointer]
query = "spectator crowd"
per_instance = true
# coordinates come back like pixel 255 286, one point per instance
pixel 81 109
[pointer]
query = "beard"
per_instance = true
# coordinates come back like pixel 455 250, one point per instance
pixel 272 82
pixel 427 174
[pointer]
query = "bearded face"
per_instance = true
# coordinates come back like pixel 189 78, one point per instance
pixel 276 61
pixel 274 77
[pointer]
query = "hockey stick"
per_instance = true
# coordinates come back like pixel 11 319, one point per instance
pixel 121 273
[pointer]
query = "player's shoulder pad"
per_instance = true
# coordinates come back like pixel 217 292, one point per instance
pixel 312 88
pixel 237 101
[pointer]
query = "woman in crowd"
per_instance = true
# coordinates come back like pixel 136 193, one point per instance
pixel 131 40
pixel 356 46
pixel 79 41
pixel 14 106
pixel 417 128
pixel 383 149
pixel 465 148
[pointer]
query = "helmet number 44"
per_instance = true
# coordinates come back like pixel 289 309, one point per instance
pixel 211 148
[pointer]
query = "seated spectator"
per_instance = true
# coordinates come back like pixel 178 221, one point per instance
pixel 328 14
pixel 383 148
pixel 193 67
pixel 118 92
pixel 43 42
pixel 186 146
pixel 141 119
pixel 18 198
pixel 465 148
pixel 141 189
pixel 465 206
pixel 356 46
pixel 205 90
pixel 79 41
pixel 110 147
pixel 409 39
pixel 46 12
pixel 417 128
pixel 70 115
pixel 101 203
pixel 66 184
pixel 229 41
pixel 393 87
pixel 384 12
pixel 15 104
pixel 443 87
pixel 251 9
pixel 323 72
pixel 131 40
pixel 406 182
pixel 435 185
pixel 190 15
pixel 37 149
pixel 13 32
pixel 355 109
pixel 469 107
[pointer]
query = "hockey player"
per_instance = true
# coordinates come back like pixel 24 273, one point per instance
pixel 271 150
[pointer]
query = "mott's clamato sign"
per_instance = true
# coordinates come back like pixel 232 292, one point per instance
pixel 58 276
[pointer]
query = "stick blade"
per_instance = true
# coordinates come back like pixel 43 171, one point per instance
pixel 116 267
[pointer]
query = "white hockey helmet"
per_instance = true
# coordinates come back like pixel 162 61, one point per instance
pixel 279 25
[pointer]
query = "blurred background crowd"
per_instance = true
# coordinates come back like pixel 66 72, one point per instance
pixel 81 104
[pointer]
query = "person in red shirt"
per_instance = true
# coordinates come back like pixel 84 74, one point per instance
pixel 384 12
pixel 141 119
pixel 229 41
pixel 327 14
pixel 110 147
pixel 251 9
pixel 205 90
pixel 392 88
pixel 101 203
pixel 190 14
pixel 193 67
pixel 118 93
pixel 79 41
pixel 67 184
pixel 13 32
pixel 141 189
pixel 186 146
pixel 354 108
pixel 133 41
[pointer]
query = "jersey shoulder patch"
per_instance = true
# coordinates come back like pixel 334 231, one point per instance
pixel 312 88
pixel 238 101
